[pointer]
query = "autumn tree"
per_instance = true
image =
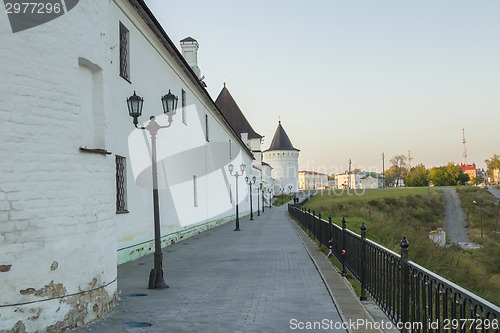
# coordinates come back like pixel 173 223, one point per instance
pixel 493 164
pixel 399 168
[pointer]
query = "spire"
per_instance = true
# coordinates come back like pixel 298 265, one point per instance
pixel 233 114
pixel 281 141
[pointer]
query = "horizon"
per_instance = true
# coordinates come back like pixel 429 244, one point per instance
pixel 360 78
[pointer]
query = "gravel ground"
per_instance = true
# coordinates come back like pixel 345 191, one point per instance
pixel 454 217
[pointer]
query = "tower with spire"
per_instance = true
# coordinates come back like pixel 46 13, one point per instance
pixel 284 160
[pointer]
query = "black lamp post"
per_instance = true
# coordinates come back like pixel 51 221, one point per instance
pixel 236 175
pixel 250 183
pixel 258 199
pixel 169 103
pixel 282 190
pixel 270 197
pixel 262 190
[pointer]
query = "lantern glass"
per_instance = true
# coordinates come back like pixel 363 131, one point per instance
pixel 230 168
pixel 169 102
pixel 134 104
pixel 253 179
pixel 246 180
pixel 242 167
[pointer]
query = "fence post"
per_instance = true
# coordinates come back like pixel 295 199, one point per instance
pixel 405 283
pixel 343 246
pixel 314 225
pixel 309 220
pixel 363 263
pixel 330 241
pixel 320 225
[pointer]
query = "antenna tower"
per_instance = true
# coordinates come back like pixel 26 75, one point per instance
pixel 464 156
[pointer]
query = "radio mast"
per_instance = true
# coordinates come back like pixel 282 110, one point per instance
pixel 464 156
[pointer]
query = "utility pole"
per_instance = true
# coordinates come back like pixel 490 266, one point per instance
pixel 349 176
pixel 464 156
pixel 383 170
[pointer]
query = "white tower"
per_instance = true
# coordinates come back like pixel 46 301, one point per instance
pixel 283 157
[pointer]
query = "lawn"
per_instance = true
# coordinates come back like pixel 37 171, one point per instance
pixel 414 212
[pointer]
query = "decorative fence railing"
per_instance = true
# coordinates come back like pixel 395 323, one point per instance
pixel 406 292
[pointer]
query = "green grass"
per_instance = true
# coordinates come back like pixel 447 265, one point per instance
pixel 392 213
pixel 282 199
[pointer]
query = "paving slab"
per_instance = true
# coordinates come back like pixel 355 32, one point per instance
pixel 260 279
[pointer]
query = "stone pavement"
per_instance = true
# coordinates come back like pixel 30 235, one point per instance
pixel 264 278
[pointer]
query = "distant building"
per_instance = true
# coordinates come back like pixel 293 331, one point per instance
pixel 470 169
pixel 371 180
pixel 360 180
pixel 347 180
pixel 311 180
pixel 283 158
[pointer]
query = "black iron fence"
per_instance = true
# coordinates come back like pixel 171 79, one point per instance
pixel 405 291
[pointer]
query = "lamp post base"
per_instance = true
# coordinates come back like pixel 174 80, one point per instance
pixel 156 280
pixel 237 229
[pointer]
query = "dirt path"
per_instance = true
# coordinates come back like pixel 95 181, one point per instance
pixel 454 217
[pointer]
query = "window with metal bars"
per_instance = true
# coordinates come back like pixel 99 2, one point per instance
pixel 121 185
pixel 124 53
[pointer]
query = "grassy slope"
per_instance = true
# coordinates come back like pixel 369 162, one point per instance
pixel 391 213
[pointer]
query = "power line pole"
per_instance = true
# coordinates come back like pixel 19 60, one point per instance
pixel 465 149
pixel 383 170
pixel 349 176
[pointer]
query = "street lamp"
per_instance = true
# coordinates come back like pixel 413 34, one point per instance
pixel 236 175
pixel 270 197
pixel 250 183
pixel 169 103
pixel 282 190
pixel 262 190
pixel 258 188
pixel 481 211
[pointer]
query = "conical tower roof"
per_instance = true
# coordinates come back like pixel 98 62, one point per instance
pixel 235 117
pixel 281 141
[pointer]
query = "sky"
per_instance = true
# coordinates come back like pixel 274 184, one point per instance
pixel 352 79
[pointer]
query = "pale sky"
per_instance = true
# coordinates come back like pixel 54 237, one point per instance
pixel 351 79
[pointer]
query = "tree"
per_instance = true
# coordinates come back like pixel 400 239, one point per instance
pixel 417 176
pixel 398 162
pixel 493 164
pixel 448 175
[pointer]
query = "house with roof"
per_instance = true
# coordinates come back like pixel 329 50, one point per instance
pixel 283 157
pixel 371 180
pixel 469 169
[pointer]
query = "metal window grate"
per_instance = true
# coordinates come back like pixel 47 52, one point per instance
pixel 121 193
pixel 124 52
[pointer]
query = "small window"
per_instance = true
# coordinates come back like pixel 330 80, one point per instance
pixel 121 185
pixel 183 101
pixel 124 53
pixel 195 191
pixel 206 127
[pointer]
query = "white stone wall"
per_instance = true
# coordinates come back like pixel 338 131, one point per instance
pixel 57 227
pixel 187 159
pixel 59 231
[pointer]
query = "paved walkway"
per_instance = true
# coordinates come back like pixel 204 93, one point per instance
pixel 261 279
